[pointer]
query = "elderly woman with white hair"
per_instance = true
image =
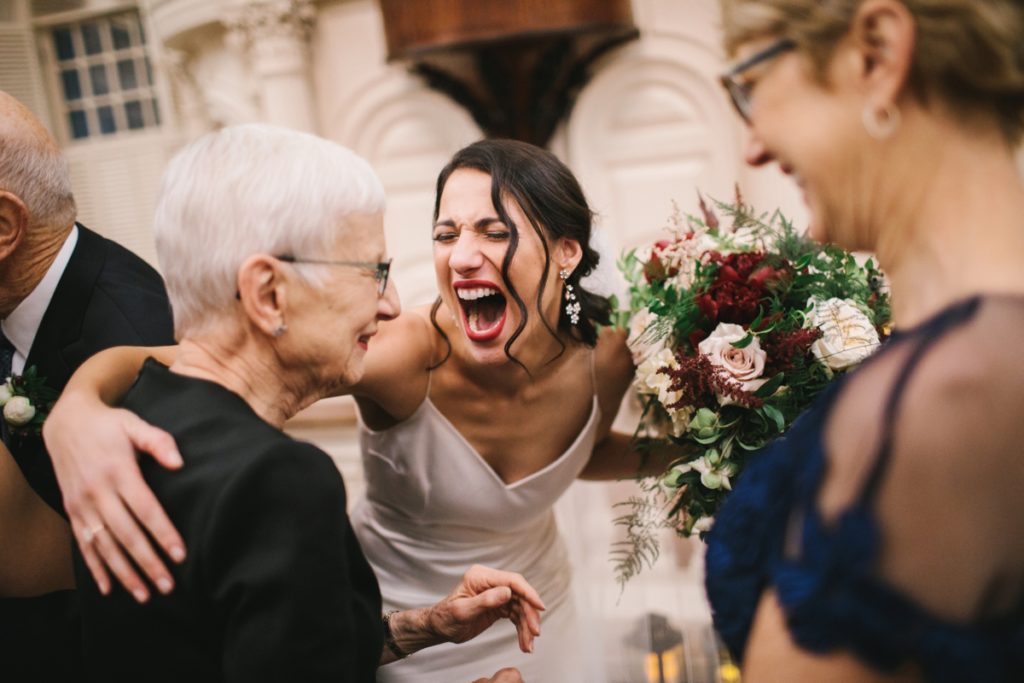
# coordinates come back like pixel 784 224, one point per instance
pixel 272 245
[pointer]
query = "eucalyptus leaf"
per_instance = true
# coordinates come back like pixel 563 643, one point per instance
pixel 803 261
pixel 771 386
pixel 774 414
pixel 745 342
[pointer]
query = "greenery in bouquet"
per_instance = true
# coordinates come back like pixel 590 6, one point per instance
pixel 734 331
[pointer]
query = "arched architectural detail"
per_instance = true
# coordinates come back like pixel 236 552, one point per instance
pixel 407 133
pixel 652 128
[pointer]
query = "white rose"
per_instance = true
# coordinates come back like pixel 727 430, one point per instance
pixel 648 378
pixel 642 343
pixel 847 335
pixel 744 365
pixel 650 381
pixel 5 394
pixel 19 411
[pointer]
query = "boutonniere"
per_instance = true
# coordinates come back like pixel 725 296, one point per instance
pixel 26 401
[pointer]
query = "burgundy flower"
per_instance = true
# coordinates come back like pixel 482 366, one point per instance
pixel 740 284
pixel 766 274
pixel 700 382
pixel 784 347
pixel 710 219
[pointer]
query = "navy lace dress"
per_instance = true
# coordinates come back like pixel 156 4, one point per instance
pixel 921 562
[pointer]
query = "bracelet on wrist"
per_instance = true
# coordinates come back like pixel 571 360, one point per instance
pixel 389 636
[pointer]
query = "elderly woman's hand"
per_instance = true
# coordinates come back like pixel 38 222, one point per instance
pixel 509 675
pixel 483 596
pixel 93 451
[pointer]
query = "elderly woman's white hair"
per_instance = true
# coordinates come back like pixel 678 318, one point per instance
pixel 247 190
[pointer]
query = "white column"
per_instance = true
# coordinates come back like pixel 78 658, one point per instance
pixel 275 33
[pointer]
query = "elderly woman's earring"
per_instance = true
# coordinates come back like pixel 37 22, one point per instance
pixel 280 329
pixel 572 307
pixel 881 122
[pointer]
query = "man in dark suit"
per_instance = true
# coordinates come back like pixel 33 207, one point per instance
pixel 65 293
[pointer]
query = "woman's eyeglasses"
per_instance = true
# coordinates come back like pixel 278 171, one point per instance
pixel 739 90
pixel 380 270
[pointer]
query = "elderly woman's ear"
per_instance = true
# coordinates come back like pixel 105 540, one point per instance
pixel 883 37
pixel 262 289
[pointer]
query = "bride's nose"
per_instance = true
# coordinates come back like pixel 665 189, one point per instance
pixel 465 256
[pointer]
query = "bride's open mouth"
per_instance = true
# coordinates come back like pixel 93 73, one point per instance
pixel 483 309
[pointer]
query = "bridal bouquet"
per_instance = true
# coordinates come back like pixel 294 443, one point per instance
pixel 734 330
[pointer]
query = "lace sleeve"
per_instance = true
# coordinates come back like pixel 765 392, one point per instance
pixel 946 457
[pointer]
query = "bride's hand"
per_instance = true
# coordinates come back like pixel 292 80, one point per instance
pixel 93 451
pixel 483 596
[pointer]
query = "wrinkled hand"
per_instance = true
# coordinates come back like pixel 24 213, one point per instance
pixel 482 597
pixel 504 676
pixel 93 451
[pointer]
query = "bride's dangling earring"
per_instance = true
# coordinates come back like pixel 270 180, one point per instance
pixel 572 306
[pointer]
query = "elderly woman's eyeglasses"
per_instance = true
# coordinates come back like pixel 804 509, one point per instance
pixel 740 90
pixel 380 269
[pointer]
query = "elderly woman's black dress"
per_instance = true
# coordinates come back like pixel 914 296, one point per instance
pixel 275 586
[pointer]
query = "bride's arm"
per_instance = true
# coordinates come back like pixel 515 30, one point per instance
pixel 93 451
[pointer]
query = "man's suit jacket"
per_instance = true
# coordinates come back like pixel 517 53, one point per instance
pixel 107 296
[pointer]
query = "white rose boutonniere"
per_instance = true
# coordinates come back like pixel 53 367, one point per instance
pixel 847 335
pixel 26 400
pixel 19 411
pixel 744 365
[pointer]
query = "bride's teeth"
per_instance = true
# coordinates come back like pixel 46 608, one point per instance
pixel 475 293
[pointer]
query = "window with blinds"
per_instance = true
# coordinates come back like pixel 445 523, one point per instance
pixel 104 76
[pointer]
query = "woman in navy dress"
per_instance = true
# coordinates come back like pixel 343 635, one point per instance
pixel 880 539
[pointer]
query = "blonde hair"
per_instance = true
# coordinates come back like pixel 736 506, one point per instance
pixel 968 53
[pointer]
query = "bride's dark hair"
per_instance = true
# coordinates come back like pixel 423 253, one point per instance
pixel 553 203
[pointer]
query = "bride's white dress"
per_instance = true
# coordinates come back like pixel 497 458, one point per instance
pixel 434 507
